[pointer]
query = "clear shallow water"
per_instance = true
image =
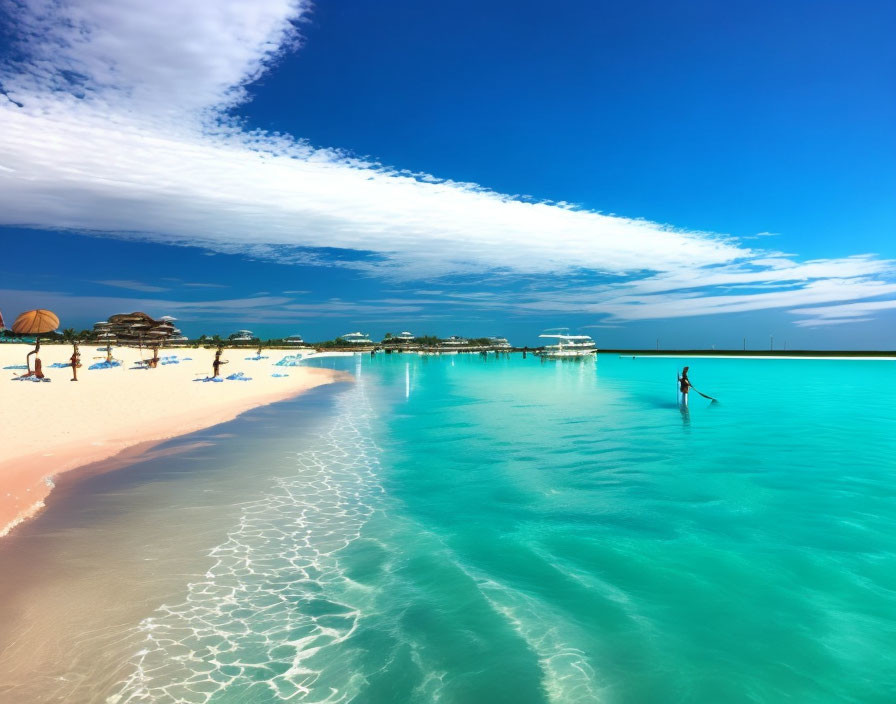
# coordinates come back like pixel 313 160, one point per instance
pixel 458 530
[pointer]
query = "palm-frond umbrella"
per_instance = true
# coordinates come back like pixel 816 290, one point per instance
pixel 35 322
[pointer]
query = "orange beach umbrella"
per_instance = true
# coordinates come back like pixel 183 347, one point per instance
pixel 35 322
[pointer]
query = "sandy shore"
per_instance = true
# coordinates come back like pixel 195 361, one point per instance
pixel 50 428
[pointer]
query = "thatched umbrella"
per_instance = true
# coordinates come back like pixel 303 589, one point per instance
pixel 35 322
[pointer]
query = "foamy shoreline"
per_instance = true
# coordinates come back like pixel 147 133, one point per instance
pixel 55 427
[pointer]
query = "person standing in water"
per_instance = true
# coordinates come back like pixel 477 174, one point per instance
pixel 684 385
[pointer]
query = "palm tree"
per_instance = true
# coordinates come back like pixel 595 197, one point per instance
pixel 68 335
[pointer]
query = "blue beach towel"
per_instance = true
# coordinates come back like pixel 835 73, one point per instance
pixel 255 359
pixel 291 360
pixel 210 378
pixel 280 375
pixel 239 376
pixel 105 365
pixel 60 365
pixel 29 378
pixel 16 366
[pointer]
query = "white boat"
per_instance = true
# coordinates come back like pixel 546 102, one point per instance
pixel 500 343
pixel 242 336
pixel 568 346
pixel 357 338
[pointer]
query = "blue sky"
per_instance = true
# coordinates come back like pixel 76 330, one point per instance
pixel 697 172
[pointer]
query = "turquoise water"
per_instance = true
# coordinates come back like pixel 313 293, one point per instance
pixel 462 530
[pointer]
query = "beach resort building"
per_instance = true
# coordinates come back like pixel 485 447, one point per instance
pixel 135 328
pixel 454 344
pixel 400 342
pixel 294 341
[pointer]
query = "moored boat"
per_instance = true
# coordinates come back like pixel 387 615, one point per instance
pixel 568 346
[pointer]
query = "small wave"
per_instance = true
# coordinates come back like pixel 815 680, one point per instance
pixel 267 615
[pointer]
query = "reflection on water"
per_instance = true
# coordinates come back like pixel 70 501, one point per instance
pixel 685 413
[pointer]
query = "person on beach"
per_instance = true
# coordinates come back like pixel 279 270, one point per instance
pixel 154 362
pixel 34 352
pixel 258 351
pixel 684 385
pixel 216 365
pixel 38 372
pixel 75 361
pixel 109 353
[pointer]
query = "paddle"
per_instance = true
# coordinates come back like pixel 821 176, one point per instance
pixel 714 400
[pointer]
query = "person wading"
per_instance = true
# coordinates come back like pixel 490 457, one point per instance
pixel 684 385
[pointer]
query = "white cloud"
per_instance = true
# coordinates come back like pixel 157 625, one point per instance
pixel 114 125
pixel 819 322
pixel 160 58
pixel 270 309
pixel 842 314
pixel 133 285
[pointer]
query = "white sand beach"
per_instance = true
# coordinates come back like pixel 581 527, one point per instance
pixel 56 426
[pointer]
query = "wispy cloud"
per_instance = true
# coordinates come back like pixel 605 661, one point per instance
pixel 133 285
pixel 116 117
pixel 842 314
pixel 821 322
pixel 266 309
